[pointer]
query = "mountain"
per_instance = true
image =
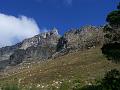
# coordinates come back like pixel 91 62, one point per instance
pixel 88 66
pixel 50 45
pixel 30 46
pixel 48 61
pixel 85 37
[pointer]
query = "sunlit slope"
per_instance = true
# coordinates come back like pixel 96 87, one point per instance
pixel 87 65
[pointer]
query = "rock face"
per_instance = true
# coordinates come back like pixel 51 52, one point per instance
pixel 38 46
pixel 85 37
pixel 43 39
pixel 5 52
pixel 45 45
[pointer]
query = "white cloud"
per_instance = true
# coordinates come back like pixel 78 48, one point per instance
pixel 15 29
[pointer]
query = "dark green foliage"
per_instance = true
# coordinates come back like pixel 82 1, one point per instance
pixel 91 87
pixel 112 51
pixel 65 85
pixel 107 28
pixel 76 85
pixel 62 43
pixel 111 81
pixel 11 87
pixel 111 48
pixel 118 7
pixel 114 18
pixel 109 36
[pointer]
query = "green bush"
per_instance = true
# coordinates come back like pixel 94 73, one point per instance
pixel 111 81
pixel 65 86
pixel 112 51
pixel 77 85
pixel 11 87
pixel 118 7
pixel 114 18
pixel 91 87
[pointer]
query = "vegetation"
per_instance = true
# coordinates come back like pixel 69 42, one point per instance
pixel 82 67
pixel 111 81
pixel 112 36
pixel 118 7
pixel 11 87
pixel 112 51
pixel 114 17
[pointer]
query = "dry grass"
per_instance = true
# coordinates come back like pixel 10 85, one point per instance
pixel 86 65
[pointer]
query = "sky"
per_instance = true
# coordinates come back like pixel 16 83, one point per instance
pixel 20 19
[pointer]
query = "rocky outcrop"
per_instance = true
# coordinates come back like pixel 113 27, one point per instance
pixel 40 47
pixel 85 37
pixel 5 52
pixel 50 44
pixel 43 39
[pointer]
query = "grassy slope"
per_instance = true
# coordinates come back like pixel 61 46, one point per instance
pixel 87 66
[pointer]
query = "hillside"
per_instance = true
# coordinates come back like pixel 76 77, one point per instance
pixel 87 65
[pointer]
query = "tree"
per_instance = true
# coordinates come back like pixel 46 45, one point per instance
pixel 111 81
pixel 114 18
pixel 112 51
pixel 118 7
pixel 112 36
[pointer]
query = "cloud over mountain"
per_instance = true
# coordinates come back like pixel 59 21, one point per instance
pixel 15 29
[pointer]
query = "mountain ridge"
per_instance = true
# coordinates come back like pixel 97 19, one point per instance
pixel 45 45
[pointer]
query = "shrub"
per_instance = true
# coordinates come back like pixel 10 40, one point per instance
pixel 65 86
pixel 76 85
pixel 11 87
pixel 112 51
pixel 111 81
pixel 114 18
pixel 91 87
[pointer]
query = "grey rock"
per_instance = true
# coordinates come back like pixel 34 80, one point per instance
pixel 44 45
pixel 85 37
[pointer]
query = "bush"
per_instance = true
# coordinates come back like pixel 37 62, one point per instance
pixel 114 18
pixel 111 81
pixel 91 87
pixel 76 85
pixel 11 87
pixel 118 7
pixel 65 86
pixel 112 51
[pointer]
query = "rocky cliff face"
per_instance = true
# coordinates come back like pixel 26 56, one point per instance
pixel 85 37
pixel 43 39
pixel 44 45
pixel 40 47
pixel 37 46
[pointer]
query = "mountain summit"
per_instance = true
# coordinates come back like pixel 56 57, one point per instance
pixel 51 44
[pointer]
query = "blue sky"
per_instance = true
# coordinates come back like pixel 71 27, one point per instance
pixel 62 14
pixel 20 19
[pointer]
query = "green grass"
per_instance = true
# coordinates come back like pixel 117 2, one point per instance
pixel 86 65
